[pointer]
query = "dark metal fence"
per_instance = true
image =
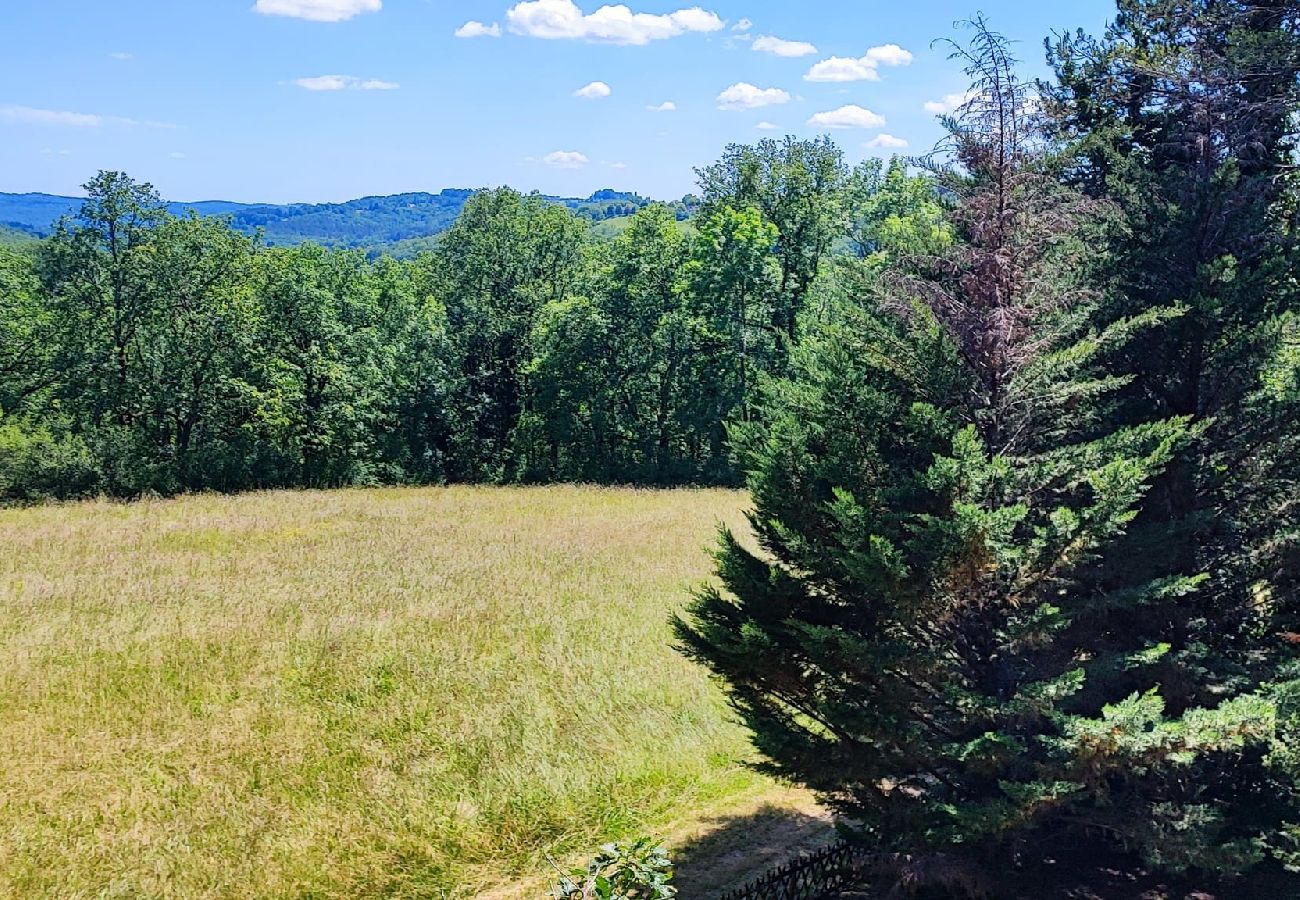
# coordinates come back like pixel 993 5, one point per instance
pixel 812 877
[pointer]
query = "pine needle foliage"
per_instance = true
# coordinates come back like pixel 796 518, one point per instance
pixel 944 631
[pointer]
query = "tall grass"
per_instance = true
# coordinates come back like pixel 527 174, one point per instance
pixel 408 693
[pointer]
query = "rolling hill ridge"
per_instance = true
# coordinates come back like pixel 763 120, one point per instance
pixel 397 221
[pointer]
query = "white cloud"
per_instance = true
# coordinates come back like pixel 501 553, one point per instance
pixel 121 57
pixel 885 142
pixel 474 29
pixel 863 68
pixel 325 82
pixel 948 103
pixel 743 95
pixel 847 117
pixel 889 55
pixel 594 91
pixel 565 159
pixel 766 126
pixel 618 165
pixel 778 47
pixel 30 116
pixel 842 68
pixel 344 83
pixel 666 106
pixel 177 155
pixel 742 25
pixel 27 115
pixel 318 10
pixel 556 19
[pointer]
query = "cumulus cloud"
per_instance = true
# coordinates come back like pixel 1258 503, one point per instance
pixel 885 142
pixel 27 115
pixel 889 55
pixel 565 159
pixel 558 19
pixel 594 91
pixel 842 68
pixel 778 47
pixel 666 106
pixel 743 95
pixel 862 68
pixel 742 25
pixel 318 10
pixel 766 126
pixel 474 29
pixel 847 117
pixel 948 103
pixel 344 83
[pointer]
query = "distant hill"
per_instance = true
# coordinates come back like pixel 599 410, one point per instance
pixel 401 223
pixel 14 236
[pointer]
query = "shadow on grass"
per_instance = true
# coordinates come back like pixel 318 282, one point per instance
pixel 1087 872
pixel 737 849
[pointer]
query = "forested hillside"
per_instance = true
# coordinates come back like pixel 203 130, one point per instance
pixel 149 352
pixel 401 224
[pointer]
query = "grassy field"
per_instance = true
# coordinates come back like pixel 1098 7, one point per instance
pixel 408 693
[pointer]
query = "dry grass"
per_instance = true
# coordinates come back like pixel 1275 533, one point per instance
pixel 407 693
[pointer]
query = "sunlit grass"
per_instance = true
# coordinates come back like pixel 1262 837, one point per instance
pixel 412 693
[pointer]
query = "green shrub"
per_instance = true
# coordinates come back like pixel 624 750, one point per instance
pixel 36 464
pixel 637 869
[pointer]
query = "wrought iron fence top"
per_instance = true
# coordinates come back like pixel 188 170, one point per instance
pixel 810 877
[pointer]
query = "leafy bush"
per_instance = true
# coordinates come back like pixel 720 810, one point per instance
pixel 36 464
pixel 638 869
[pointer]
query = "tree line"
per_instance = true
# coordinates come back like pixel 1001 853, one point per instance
pixel 147 352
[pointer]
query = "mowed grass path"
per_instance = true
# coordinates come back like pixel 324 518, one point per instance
pixel 405 692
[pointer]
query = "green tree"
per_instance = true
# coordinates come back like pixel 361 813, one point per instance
pixel 98 276
pixel 149 324
pixel 325 367
pixel 626 386
pixel 571 430
pixel 1183 115
pixel 892 211
pixel 195 341
pixel 418 440
pixel 494 270
pixel 25 339
pixel 798 187
pixel 935 635
pixel 736 281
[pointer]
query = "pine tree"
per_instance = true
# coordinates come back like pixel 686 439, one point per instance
pixel 1184 117
pixel 947 629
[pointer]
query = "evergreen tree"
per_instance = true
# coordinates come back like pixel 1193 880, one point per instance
pixel 1184 115
pixel 947 629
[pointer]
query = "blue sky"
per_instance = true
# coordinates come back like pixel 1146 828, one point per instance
pixel 324 100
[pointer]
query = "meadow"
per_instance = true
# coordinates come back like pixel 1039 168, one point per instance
pixel 392 692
